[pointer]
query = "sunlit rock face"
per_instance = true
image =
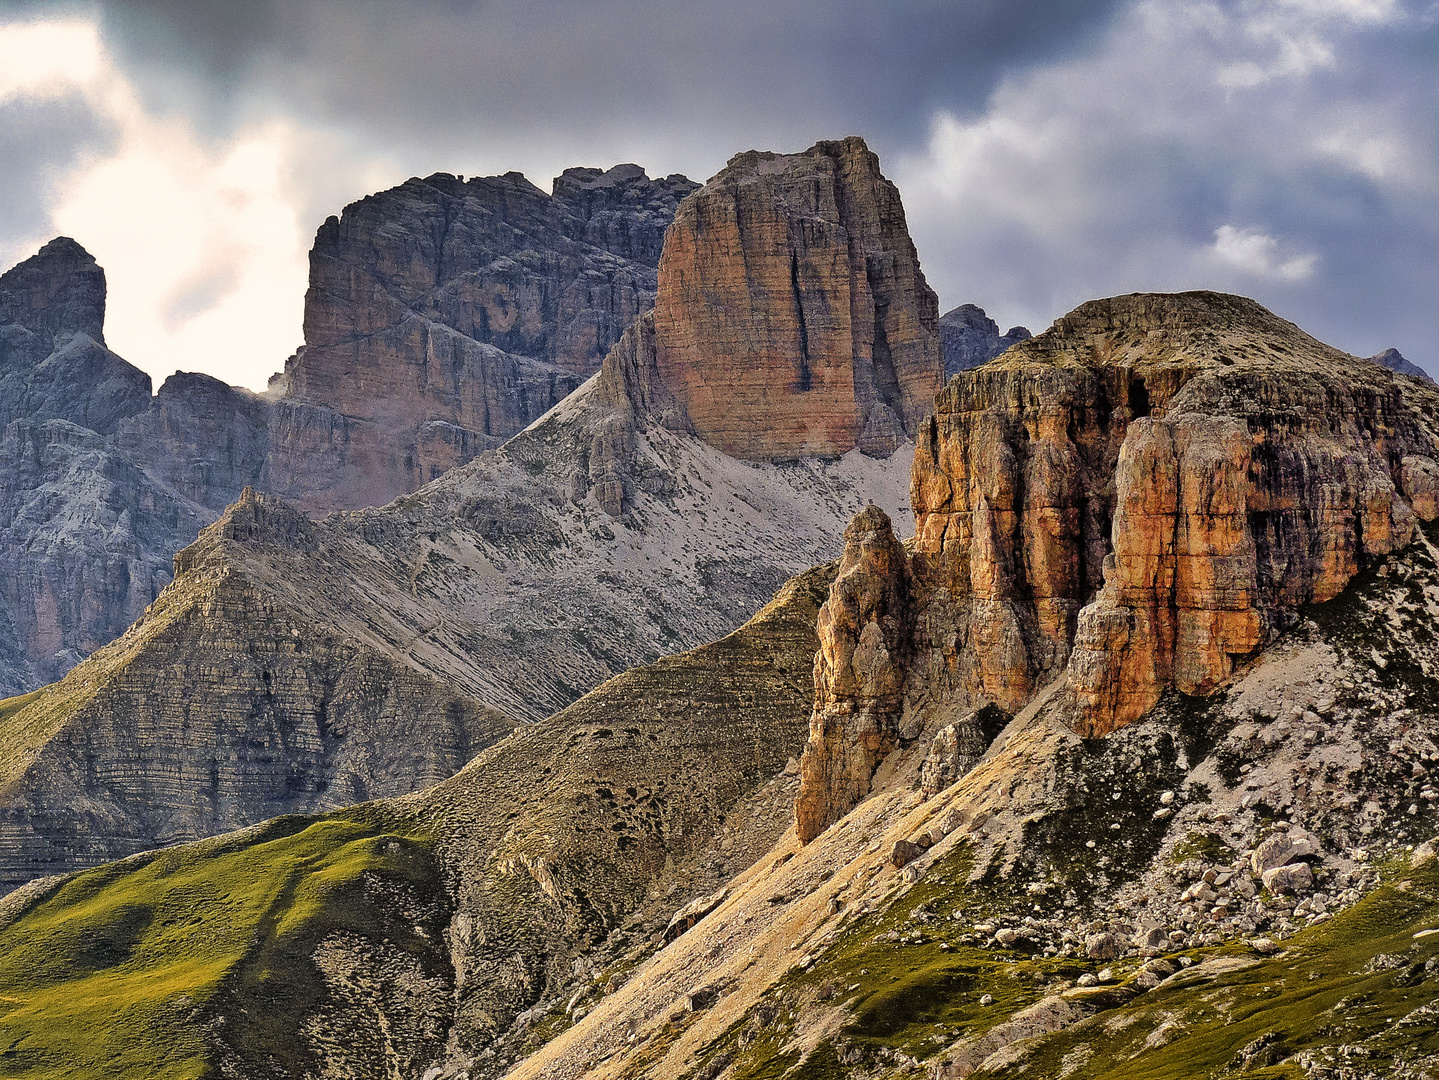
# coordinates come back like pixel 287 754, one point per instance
pixel 792 317
pixel 1140 499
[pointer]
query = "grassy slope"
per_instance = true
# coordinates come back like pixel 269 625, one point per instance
pixel 108 975
pixel 1361 980
pixel 123 970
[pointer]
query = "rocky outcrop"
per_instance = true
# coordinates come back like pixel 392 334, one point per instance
pixel 86 534
pixel 445 315
pixel 795 277
pixel 1140 500
pixel 53 360
pixel 968 337
pixel 1208 464
pixel 201 438
pixel 864 634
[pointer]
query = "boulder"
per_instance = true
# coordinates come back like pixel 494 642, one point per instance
pixel 1293 878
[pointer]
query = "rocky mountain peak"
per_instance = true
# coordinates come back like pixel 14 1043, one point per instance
pixel 792 317
pixel 1394 360
pixel 55 294
pixel 1137 501
pixel 446 314
pixel 968 337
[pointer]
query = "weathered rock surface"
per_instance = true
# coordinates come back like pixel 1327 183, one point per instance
pixel 858 673
pixel 53 360
pixel 794 276
pixel 200 438
pixel 85 541
pixel 1141 499
pixel 508 585
pixel 86 534
pixel 968 337
pixel 217 709
pixel 445 315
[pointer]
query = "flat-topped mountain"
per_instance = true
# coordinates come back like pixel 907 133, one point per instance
pixel 790 292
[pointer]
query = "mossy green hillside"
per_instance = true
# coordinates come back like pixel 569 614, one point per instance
pixel 1362 987
pixel 120 971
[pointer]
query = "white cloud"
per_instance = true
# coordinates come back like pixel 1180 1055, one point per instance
pixel 204 253
pixel 45 58
pixel 1151 162
pixel 1257 253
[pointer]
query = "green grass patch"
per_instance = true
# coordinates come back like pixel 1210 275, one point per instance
pixel 1361 981
pixel 115 973
pixel 1204 846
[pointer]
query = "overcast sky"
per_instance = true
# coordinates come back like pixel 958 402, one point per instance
pixel 1048 151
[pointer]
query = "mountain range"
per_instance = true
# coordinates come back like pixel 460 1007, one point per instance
pixel 766 707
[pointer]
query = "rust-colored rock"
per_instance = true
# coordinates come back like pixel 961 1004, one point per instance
pixel 1139 500
pixel 792 317
pixel 858 674
pixel 1189 466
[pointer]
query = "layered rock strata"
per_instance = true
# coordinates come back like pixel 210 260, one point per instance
pixel 445 315
pixel 86 532
pixel 375 643
pixel 792 317
pixel 864 634
pixel 968 337
pixel 1140 500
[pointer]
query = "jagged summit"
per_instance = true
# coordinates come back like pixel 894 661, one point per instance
pixel 446 314
pixel 969 337
pixel 1394 360
pixel 56 293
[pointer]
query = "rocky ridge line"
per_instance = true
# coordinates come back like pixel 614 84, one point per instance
pixel 1138 500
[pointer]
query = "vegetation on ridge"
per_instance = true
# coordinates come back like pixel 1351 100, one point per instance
pixel 117 971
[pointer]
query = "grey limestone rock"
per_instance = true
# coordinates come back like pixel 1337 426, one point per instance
pixel 968 337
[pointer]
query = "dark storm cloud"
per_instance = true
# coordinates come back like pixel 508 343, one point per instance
pixel 693 73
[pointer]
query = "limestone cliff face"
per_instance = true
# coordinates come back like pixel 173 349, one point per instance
pixel 792 317
pixel 445 315
pixel 864 631
pixel 1139 500
pixel 53 360
pixel 201 438
pixel 86 533
pixel 1190 467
